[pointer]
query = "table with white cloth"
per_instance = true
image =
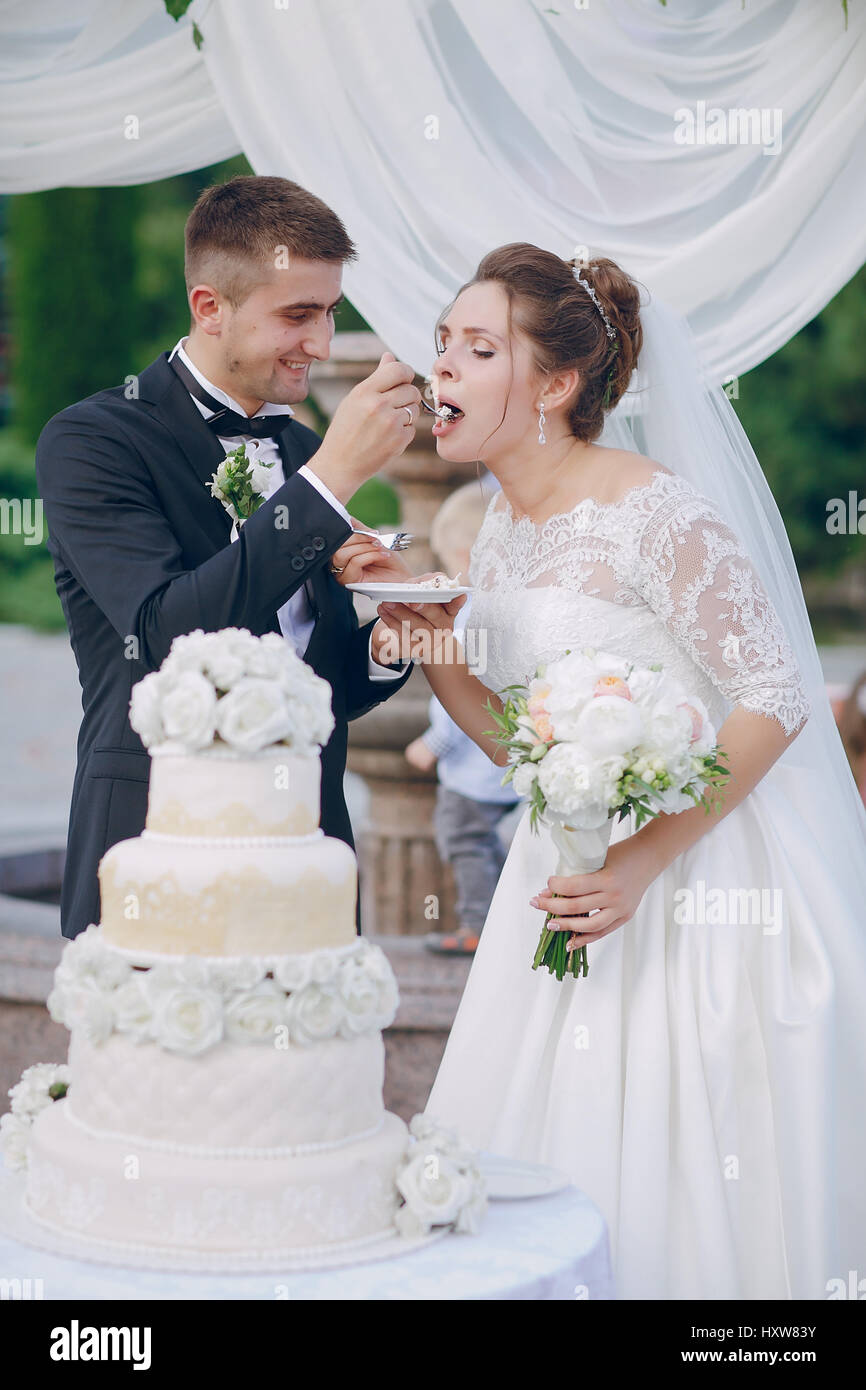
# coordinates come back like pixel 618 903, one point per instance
pixel 550 1247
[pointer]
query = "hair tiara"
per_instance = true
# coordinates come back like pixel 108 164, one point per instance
pixel 608 326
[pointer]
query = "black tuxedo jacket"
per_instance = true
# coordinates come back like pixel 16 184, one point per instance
pixel 141 554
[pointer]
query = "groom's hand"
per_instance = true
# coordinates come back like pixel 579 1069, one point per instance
pixel 373 424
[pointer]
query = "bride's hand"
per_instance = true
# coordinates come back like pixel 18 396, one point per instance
pixel 615 891
pixel 423 630
pixel 364 559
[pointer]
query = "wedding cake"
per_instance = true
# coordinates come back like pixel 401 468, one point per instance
pixel 223 1092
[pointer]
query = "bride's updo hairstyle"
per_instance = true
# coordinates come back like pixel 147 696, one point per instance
pixel 562 323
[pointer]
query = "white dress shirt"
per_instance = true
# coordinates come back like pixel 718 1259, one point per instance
pixel 296 617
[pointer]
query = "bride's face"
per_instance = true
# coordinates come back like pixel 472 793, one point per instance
pixel 489 374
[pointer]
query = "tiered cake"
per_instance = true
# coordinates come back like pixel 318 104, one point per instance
pixel 226 1061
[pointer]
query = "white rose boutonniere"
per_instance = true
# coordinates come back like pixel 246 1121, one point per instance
pixel 240 483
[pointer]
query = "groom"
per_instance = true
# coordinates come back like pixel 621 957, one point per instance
pixel 143 552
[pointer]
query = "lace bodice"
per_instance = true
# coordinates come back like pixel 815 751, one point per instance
pixel 656 576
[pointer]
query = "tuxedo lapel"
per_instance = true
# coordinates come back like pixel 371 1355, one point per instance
pixel 162 389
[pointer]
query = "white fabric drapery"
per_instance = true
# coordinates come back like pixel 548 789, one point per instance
pixel 439 129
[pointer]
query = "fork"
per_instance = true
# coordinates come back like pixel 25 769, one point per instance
pixel 392 540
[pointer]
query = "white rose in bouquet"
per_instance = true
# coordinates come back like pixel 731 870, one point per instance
pixel 253 715
pixel 188 710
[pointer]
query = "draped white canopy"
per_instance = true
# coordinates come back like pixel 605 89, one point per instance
pixel 439 129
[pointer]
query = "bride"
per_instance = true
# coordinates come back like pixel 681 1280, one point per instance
pixel 703 1083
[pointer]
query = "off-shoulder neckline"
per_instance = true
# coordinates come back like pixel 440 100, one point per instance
pixel 506 510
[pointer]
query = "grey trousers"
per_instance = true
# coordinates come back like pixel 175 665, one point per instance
pixel 466 839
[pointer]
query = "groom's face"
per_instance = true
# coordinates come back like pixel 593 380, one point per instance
pixel 287 322
pixel 489 374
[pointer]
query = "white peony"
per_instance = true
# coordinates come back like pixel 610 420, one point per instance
pixel 187 1019
pixel 253 715
pixel 14 1140
pixel 609 725
pixel 188 711
pixel 313 1013
pixel 574 784
pixel 255 1014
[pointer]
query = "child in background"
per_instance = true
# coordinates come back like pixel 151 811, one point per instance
pixel 470 799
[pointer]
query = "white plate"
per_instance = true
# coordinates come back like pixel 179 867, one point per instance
pixel 407 593
pixel 512 1178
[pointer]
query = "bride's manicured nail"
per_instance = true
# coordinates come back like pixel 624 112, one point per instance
pixel 533 902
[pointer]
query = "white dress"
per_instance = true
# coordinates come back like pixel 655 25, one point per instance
pixel 697 1082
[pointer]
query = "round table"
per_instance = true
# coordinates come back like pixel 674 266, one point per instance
pixel 551 1247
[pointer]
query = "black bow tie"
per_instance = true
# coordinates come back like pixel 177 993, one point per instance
pixel 226 423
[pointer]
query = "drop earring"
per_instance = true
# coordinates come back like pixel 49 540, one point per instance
pixel 542 438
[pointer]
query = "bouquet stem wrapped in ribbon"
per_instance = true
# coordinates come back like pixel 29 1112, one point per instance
pixel 580 852
pixel 593 736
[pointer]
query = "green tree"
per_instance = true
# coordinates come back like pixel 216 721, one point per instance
pixel 72 265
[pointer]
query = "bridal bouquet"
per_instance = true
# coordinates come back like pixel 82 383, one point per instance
pixel 593 736
pixel 240 484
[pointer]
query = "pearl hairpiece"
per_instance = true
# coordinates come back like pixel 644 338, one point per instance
pixel 608 326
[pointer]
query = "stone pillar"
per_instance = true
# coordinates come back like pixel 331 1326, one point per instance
pixel 405 891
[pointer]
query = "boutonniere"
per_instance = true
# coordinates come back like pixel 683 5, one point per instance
pixel 241 484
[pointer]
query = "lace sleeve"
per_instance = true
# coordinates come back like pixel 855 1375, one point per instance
pixel 692 571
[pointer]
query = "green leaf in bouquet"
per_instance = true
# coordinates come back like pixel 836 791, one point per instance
pixel 537 752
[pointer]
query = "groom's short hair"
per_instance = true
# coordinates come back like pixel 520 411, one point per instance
pixel 240 231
